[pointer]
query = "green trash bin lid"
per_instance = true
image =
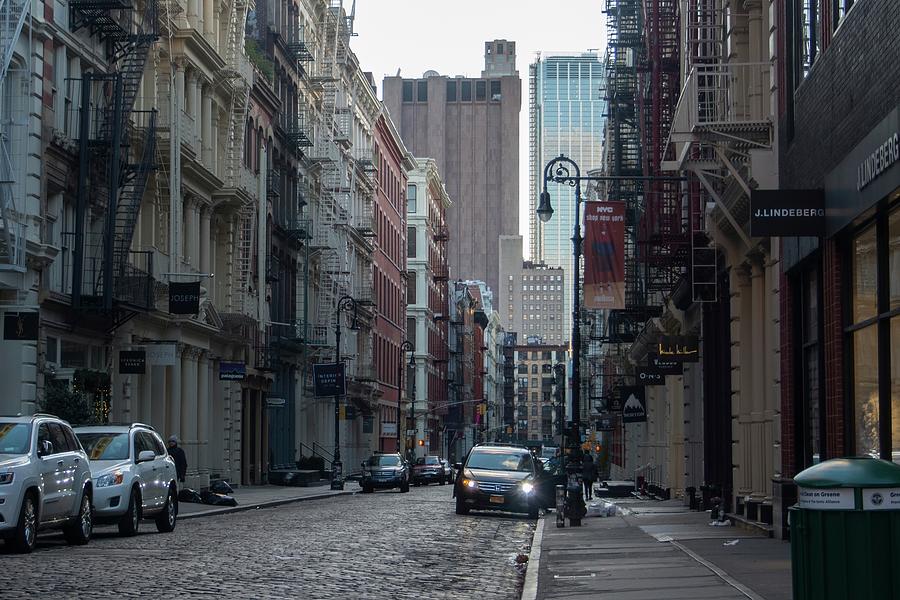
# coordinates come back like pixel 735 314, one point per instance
pixel 861 472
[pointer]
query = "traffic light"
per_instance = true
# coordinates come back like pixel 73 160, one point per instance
pixel 421 442
pixel 598 448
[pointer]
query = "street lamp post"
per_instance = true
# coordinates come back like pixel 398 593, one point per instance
pixel 345 304
pixel 406 346
pixel 412 407
pixel 558 170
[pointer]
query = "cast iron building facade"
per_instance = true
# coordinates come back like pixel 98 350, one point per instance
pixel 470 126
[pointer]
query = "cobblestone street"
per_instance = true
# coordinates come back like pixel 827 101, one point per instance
pixel 382 545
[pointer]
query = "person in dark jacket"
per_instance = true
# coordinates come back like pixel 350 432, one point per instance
pixel 588 475
pixel 178 456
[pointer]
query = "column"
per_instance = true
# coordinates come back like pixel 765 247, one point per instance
pixel 207 141
pixel 189 410
pixel 205 264
pixel 187 227
pixel 209 31
pixel 195 105
pixel 156 414
pixel 192 10
pixel 194 234
pixel 215 139
pixel 203 420
pixel 145 414
pixel 173 408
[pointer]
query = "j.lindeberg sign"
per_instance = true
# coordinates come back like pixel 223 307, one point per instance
pixel 787 213
pixel 878 162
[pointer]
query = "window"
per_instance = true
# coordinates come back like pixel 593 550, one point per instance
pixel 407 91
pixel 451 90
pixel 495 90
pixel 410 199
pixel 410 242
pixel 480 90
pixel 534 368
pixel 411 330
pixel 422 91
pixel 411 283
pixel 809 361
pixel 466 91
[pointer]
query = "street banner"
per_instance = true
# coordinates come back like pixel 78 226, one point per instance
pixel 649 376
pixel 232 371
pixel 328 379
pixel 604 255
pixel 633 404
pixel 787 213
pixel 184 297
pixel 666 366
pixel 132 362
pixel 161 355
pixel 683 348
pixel 21 326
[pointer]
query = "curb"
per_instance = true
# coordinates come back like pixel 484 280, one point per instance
pixel 530 588
pixel 267 504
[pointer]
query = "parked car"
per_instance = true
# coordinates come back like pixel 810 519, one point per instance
pixel 45 481
pixel 385 471
pixel 449 472
pixel 134 476
pixel 499 477
pixel 428 469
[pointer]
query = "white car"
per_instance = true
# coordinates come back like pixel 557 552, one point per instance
pixel 134 476
pixel 45 481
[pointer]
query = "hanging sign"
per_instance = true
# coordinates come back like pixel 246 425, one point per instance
pixel 328 379
pixel 787 213
pixel 666 366
pixel 826 498
pixel 649 376
pixel 606 423
pixel 683 348
pixel 184 297
pixel 21 326
pixel 232 371
pixel 633 404
pixel 132 362
pixel 275 402
pixel 161 355
pixel 615 403
pixel 604 255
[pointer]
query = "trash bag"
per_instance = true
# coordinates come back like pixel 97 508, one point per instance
pixel 220 487
pixel 218 499
pixel 601 508
pixel 189 495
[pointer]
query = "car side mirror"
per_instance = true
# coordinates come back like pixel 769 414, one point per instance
pixel 45 448
pixel 457 466
pixel 145 455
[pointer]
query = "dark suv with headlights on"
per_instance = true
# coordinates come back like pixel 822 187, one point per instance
pixel 497 477
pixel 384 471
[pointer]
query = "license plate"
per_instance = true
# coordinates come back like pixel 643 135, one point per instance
pixel 497 499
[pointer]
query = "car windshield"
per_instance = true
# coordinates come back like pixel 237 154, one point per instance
pixel 428 460
pixel 384 461
pixel 105 445
pixel 500 461
pixel 15 438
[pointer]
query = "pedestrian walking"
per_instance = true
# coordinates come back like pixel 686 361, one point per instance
pixel 588 474
pixel 178 456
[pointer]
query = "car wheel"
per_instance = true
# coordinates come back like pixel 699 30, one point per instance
pixel 368 489
pixel 78 532
pixel 461 508
pixel 404 487
pixel 443 482
pixel 165 521
pixel 131 520
pixel 25 536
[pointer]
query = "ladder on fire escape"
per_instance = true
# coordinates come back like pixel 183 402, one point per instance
pixel 239 103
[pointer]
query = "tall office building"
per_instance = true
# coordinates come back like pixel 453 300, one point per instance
pixel 531 296
pixel 566 117
pixel 470 127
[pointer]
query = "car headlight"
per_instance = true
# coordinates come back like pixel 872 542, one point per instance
pixel 527 487
pixel 109 479
pixel 470 483
pixel 6 477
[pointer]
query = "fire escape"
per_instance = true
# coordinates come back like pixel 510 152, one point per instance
pixel 117 147
pixel 12 140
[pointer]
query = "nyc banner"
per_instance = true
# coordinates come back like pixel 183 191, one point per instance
pixel 604 255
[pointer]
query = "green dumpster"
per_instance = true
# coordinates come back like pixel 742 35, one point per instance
pixel 845 531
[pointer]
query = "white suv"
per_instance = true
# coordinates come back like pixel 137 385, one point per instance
pixel 45 481
pixel 134 476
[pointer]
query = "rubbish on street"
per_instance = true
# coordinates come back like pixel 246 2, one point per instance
pixel 602 508
pixel 717 523
pixel 218 499
pixel 731 543
pixel 220 487
pixel 189 495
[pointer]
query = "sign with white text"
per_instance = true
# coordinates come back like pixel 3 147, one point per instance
pixel 787 213
pixel 826 498
pixel 604 255
pixel 328 379
pixel 881 498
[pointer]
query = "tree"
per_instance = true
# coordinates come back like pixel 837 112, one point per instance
pixel 69 405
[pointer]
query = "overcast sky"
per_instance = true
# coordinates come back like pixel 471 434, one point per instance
pixel 448 36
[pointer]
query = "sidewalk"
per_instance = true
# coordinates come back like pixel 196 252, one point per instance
pixel 263 496
pixel 656 549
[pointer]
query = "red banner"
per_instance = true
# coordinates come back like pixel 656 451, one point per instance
pixel 604 255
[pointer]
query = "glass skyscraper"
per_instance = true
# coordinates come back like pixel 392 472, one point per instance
pixel 566 117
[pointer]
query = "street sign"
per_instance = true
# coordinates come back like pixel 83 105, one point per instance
pixel 184 297
pixel 665 366
pixel 410 432
pixel 606 423
pixel 132 362
pixel 161 355
pixel 787 213
pixel 275 402
pixel 633 403
pixel 649 376
pixel 232 371
pixel 328 379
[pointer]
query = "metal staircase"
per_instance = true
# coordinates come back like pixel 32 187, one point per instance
pixel 238 75
pixel 12 18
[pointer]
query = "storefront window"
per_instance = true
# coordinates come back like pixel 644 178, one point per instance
pixel 894 258
pixel 895 389
pixel 865 375
pixel 865 268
